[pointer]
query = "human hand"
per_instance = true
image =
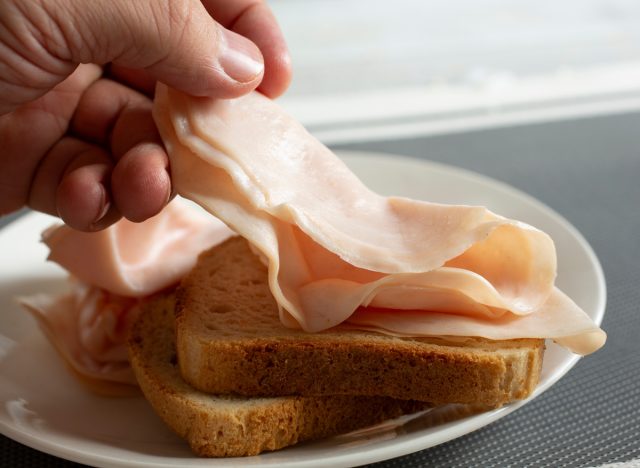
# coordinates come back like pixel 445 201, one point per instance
pixel 77 139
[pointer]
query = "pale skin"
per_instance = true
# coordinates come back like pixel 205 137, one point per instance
pixel 77 139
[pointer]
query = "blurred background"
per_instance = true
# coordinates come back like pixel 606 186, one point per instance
pixel 379 69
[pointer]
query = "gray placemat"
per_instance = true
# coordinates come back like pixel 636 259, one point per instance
pixel 589 171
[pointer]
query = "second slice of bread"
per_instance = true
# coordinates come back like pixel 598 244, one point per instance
pixel 230 341
pixel 218 426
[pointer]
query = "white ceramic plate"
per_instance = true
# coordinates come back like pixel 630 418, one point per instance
pixel 42 406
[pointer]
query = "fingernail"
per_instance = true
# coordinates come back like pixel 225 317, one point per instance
pixel 240 59
pixel 104 204
pixel 169 190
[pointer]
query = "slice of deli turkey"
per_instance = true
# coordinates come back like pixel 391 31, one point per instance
pixel 112 271
pixel 333 246
pixel 136 259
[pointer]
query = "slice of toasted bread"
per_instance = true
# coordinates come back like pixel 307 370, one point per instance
pixel 237 426
pixel 230 341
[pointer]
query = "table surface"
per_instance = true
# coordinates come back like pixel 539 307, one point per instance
pixel 588 170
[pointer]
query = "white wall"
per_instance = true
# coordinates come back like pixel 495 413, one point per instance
pixel 368 60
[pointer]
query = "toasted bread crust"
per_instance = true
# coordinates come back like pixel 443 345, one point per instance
pixel 237 426
pixel 230 341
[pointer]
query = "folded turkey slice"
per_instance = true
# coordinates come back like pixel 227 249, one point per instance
pixel 88 327
pixel 112 272
pixel 337 251
pixel 136 259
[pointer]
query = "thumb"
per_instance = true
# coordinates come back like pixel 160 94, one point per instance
pixel 177 41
